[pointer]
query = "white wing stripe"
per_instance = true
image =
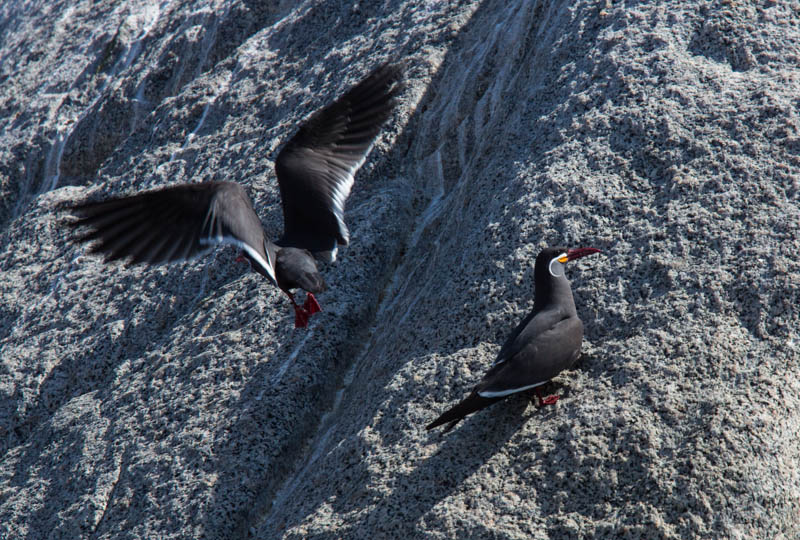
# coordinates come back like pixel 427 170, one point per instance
pixel 210 216
pixel 342 189
pixel 503 393
pixel 266 265
pixel 340 193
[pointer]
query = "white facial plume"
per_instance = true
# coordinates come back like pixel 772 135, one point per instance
pixel 556 266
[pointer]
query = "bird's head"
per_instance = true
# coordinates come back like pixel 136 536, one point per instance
pixel 554 258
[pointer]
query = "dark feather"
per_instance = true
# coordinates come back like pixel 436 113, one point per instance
pixel 468 405
pixel 169 224
pixel 546 342
pixel 297 268
pixel 315 168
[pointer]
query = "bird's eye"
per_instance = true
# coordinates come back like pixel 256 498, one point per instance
pixel 556 267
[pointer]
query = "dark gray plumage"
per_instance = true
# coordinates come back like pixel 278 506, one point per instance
pixel 315 172
pixel 545 343
pixel 316 167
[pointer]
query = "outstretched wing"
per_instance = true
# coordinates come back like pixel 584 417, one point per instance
pixel 316 168
pixel 174 223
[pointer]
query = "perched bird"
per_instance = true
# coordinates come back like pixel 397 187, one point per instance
pixel 545 343
pixel 315 171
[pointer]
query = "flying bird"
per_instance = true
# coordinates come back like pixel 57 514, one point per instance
pixel 315 171
pixel 544 344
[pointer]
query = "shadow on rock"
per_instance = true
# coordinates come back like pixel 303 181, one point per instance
pixel 467 448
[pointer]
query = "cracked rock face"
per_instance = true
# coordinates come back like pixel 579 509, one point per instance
pixel 177 401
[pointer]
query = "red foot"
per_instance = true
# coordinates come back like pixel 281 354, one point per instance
pixel 304 312
pixel 300 317
pixel 549 400
pixel 240 258
pixel 311 305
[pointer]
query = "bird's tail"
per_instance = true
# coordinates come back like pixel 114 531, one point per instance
pixel 469 405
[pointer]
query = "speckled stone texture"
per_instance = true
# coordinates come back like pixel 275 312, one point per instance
pixel 178 401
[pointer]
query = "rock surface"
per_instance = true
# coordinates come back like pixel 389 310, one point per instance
pixel 178 402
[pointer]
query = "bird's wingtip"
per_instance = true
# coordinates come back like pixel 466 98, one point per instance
pixel 432 425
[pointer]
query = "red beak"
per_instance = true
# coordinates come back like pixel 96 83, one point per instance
pixel 577 253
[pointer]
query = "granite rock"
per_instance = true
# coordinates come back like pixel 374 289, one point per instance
pixel 177 401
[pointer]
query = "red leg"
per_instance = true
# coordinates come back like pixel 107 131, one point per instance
pixel 311 305
pixel 300 314
pixel 300 317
